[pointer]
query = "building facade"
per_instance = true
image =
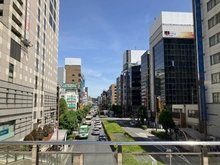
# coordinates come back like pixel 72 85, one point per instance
pixel 145 82
pixel 61 76
pixel 130 58
pixel 210 16
pixel 173 60
pixel 28 65
pixel 134 99
pixel 112 95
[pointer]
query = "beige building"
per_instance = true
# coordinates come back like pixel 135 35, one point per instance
pixel 73 70
pixel 112 95
pixel 28 65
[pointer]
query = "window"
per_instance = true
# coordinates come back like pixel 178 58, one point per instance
pixel 214 59
pixel 44 24
pixel 45 9
pixel 44 39
pixel 43 54
pixel 38 31
pixel 55 4
pixel 215 78
pixel 6 98
pixel 193 113
pixel 36 64
pixel 73 80
pixel 215 39
pixel 54 27
pixel 177 110
pixel 211 4
pixel 50 20
pixel 39 2
pixel 35 115
pixel 38 13
pixel 42 68
pixel 37 48
pixel 11 72
pixel 42 99
pixel 15 50
pixel 73 75
pixel 35 100
pixel 54 15
pixel 51 7
pixel 36 79
pixel 79 74
pixel 42 84
pixel 216 97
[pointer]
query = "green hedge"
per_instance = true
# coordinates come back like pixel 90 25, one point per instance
pixel 161 135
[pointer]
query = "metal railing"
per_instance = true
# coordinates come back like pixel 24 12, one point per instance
pixel 202 152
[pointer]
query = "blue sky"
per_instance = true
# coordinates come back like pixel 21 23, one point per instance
pixel 99 31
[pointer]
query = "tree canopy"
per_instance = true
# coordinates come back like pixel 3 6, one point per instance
pixel 117 109
pixel 63 106
pixel 68 120
pixel 80 115
pixel 165 118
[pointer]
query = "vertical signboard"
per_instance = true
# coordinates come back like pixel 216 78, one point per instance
pixel 199 44
pixel 27 19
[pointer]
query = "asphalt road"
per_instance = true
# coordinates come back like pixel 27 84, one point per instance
pixel 94 159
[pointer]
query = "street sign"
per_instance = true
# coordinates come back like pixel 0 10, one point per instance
pixel 69 86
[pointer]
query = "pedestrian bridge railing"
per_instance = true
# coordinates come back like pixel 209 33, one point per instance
pixel 62 153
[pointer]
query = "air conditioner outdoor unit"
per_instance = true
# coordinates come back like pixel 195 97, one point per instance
pixel 26 42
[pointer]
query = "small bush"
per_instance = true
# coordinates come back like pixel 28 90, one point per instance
pixel 144 127
pixel 71 137
pixel 45 131
pixel 40 133
pixel 28 137
pixel 35 134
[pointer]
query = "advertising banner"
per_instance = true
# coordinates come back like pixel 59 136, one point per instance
pixel 178 34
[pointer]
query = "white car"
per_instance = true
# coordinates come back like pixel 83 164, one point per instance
pixel 99 125
pixel 96 131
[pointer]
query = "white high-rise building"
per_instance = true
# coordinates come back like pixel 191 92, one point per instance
pixel 28 65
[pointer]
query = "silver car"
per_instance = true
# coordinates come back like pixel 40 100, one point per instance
pixel 96 131
pixel 99 125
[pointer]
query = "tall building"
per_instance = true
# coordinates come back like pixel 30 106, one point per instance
pixel 118 90
pixel 28 65
pixel 134 89
pixel 207 23
pixel 173 60
pixel 130 58
pixel 145 82
pixel 61 76
pixel 112 95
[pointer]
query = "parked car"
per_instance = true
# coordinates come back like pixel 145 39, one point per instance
pixel 96 131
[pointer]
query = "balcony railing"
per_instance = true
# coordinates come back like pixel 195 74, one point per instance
pixel 17 152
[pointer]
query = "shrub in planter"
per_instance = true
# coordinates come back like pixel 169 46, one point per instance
pixel 45 131
pixel 28 137
pixel 35 135
pixel 40 133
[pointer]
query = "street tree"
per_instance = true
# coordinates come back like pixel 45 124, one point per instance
pixel 68 121
pixel 63 106
pixel 80 115
pixel 142 113
pixel 166 120
pixel 117 109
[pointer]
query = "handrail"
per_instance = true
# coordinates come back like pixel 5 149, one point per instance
pixel 143 143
